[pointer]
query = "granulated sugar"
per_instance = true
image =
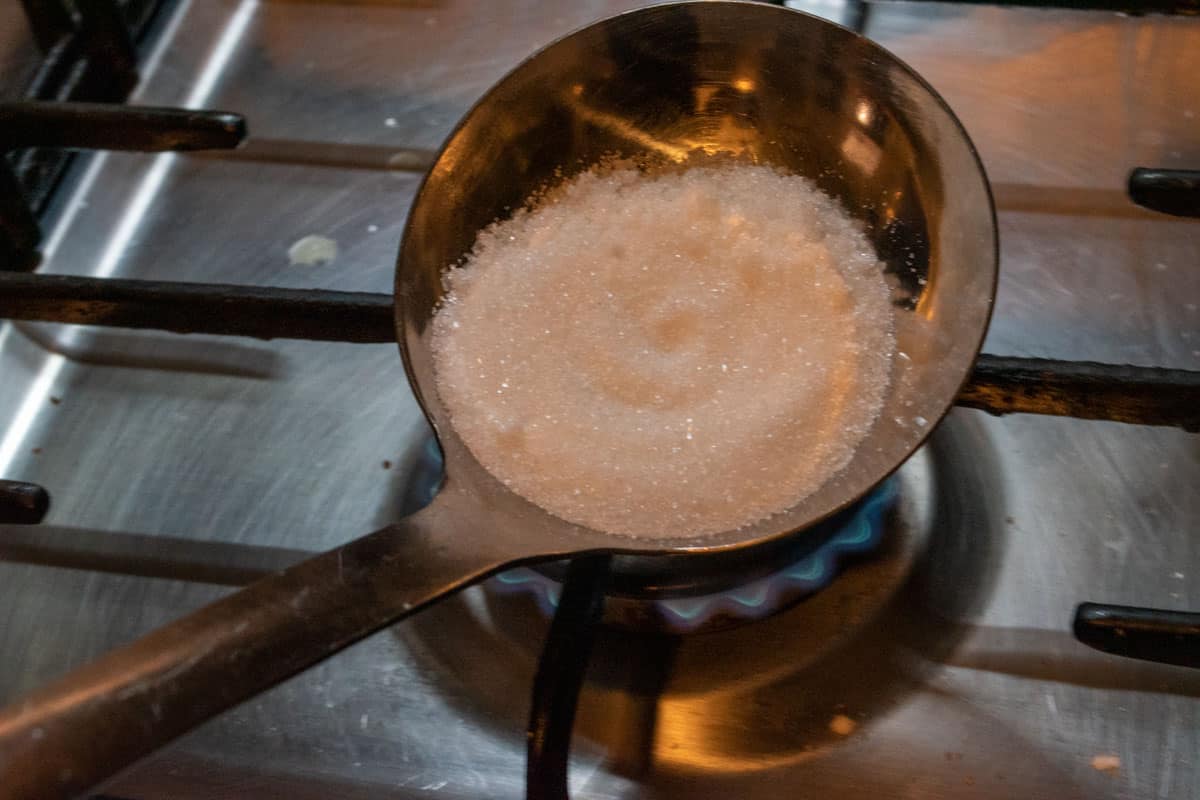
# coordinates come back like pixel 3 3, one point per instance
pixel 667 355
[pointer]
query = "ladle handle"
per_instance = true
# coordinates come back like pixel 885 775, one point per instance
pixel 63 739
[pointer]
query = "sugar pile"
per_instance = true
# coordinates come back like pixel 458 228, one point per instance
pixel 667 354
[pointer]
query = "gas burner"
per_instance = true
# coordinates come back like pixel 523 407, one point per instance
pixel 858 533
pixel 855 533
pixel 853 649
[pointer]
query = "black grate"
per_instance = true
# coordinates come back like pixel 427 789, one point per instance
pixel 89 52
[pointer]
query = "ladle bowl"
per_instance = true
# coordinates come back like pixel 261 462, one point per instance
pixel 678 82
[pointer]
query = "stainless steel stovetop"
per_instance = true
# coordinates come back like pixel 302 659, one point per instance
pixel 964 682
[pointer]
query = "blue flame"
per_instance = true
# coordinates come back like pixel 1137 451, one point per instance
pixel 862 533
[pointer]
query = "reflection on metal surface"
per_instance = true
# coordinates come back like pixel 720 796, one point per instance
pixel 864 154
pixel 864 113
pixel 1090 511
pixel 37 393
pixel 218 59
pixel 337 155
pixel 130 220
pixel 624 130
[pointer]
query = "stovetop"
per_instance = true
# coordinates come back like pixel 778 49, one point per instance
pixel 962 680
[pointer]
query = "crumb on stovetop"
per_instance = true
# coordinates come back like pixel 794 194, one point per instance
pixel 842 725
pixel 313 251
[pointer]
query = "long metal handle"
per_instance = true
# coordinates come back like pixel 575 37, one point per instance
pixel 65 738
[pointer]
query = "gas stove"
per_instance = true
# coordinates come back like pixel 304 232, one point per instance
pixel 940 663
